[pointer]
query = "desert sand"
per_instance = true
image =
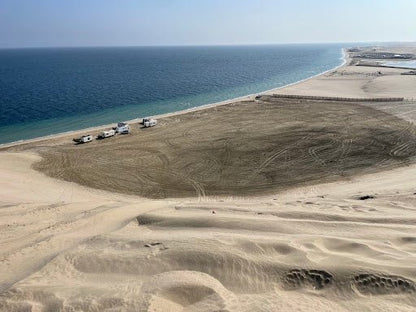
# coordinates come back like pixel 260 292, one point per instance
pixel 311 209
pixel 358 81
pixel 241 149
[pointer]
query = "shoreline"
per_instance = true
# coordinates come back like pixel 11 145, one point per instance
pixel 290 204
pixel 344 58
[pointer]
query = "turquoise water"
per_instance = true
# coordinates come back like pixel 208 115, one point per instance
pixel 48 91
pixel 408 64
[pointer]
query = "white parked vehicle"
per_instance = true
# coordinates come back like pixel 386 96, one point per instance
pixel 83 139
pixel 150 123
pixel 123 128
pixel 86 138
pixel 106 134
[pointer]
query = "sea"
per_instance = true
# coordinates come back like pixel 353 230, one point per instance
pixel 44 91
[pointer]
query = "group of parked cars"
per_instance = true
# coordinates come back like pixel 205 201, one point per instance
pixel 121 128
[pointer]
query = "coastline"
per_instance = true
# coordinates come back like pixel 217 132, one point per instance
pixel 345 243
pixel 344 58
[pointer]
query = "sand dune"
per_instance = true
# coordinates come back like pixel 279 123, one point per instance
pixel 78 249
pixel 340 238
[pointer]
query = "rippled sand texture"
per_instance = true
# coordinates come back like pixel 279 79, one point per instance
pixel 321 247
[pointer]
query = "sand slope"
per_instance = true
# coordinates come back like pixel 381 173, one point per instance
pixel 76 249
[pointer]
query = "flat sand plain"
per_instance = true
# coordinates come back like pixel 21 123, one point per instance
pixel 359 81
pixel 329 223
pixel 241 149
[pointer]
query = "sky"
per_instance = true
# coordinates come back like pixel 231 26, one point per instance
pixel 55 23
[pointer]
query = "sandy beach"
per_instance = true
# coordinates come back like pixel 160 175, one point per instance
pixel 359 81
pixel 267 204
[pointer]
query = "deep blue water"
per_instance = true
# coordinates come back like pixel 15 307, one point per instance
pixel 51 90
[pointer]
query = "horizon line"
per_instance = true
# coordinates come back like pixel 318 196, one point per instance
pixel 201 45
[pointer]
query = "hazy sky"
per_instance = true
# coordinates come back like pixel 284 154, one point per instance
pixel 37 23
